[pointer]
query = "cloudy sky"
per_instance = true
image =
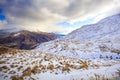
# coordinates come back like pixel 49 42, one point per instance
pixel 58 16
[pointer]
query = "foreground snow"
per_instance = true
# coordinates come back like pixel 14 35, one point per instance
pixel 14 66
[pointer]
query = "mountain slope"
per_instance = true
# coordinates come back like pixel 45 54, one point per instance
pixel 90 41
pixel 25 39
pixel 107 26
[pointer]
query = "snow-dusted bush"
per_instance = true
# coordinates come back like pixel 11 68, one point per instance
pixel 50 67
pixel 35 69
pixel 115 51
pixel 66 68
pixel 27 72
pixel 16 77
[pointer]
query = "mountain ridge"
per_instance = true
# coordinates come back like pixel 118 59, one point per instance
pixel 25 39
pixel 93 31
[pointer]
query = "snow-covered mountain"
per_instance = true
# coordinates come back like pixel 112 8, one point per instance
pixel 89 53
pixel 86 42
pixel 105 27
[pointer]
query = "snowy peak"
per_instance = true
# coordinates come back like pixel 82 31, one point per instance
pixel 107 26
pixel 113 18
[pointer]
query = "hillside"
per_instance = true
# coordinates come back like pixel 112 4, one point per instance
pixel 103 28
pixel 25 39
pixel 90 41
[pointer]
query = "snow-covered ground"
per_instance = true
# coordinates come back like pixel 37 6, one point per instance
pixel 39 66
pixel 80 49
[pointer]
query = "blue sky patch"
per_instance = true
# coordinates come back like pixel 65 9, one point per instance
pixel 2 17
pixel 76 24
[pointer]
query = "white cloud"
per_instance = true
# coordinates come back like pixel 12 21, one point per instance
pixel 42 15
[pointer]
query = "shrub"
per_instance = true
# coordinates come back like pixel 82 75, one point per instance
pixel 27 72
pixel 84 65
pixel 66 68
pixel 20 68
pixel 2 62
pixel 4 67
pixel 15 77
pixel 0 68
pixel 50 67
pixel 13 66
pixel 3 50
pixel 115 51
pixel 103 48
pixel 35 69
pixel 43 67
pixel 12 72
pixel 57 66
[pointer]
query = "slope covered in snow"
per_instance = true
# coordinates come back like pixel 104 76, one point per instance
pixel 107 26
pixel 100 40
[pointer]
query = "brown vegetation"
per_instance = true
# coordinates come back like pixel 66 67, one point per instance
pixel 84 64
pixel 115 51
pixel 2 62
pixel 19 68
pixel 12 72
pixel 13 66
pixel 3 50
pixel 4 67
pixel 50 67
pixel 35 69
pixel 15 77
pixel 66 68
pixel 27 72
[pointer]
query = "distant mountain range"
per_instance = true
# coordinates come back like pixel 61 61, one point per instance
pixel 24 39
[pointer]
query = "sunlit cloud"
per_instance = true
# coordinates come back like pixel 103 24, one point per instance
pixel 45 15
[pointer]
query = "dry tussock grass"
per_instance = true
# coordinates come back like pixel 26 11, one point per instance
pixel 115 51
pixel 27 72
pixel 66 68
pixel 35 69
pixel 4 50
pixel 12 72
pixel 13 66
pixel 16 77
pixel 19 68
pixel 4 67
pixel 84 64
pixel 50 67
pixel 2 62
